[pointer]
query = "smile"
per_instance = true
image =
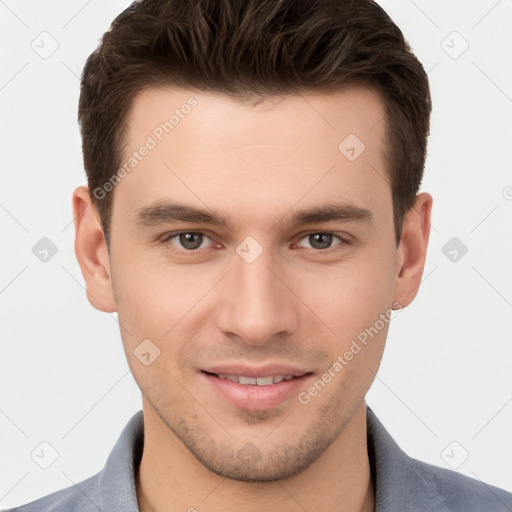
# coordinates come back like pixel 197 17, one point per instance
pixel 264 390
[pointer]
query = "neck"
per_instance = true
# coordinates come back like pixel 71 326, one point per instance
pixel 170 478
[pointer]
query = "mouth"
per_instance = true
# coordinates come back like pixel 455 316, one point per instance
pixel 259 391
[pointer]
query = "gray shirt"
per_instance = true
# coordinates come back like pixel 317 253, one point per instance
pixel 400 482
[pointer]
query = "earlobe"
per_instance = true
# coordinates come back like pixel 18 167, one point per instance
pixel 412 252
pixel 91 252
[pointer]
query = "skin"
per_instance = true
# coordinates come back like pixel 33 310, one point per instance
pixel 295 304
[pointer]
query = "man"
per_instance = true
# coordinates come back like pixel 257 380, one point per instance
pixel 252 211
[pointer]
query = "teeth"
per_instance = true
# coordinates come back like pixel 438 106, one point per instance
pixel 264 381
pixel 256 381
pixel 247 380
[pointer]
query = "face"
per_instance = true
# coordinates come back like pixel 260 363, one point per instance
pixel 251 249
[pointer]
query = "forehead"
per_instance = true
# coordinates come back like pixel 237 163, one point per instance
pixel 206 147
pixel 357 108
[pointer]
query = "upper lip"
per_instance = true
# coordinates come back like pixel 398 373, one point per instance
pixel 256 371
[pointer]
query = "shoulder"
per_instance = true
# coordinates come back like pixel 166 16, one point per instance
pixel 457 492
pixel 404 483
pixel 80 497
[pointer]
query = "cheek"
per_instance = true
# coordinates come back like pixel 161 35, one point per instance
pixel 161 303
pixel 149 293
pixel 353 302
pixel 351 296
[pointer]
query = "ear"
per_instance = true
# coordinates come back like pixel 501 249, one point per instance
pixel 91 252
pixel 412 251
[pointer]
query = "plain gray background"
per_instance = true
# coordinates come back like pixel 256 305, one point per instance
pixel 444 388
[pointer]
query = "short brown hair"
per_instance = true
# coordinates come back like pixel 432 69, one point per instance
pixel 250 50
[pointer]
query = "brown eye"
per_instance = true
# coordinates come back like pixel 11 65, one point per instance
pixel 191 241
pixel 322 241
pixel 186 240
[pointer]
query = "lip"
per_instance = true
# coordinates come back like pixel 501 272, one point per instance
pixel 254 397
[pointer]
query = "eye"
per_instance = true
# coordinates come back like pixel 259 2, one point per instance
pixel 323 241
pixel 193 241
pixel 189 241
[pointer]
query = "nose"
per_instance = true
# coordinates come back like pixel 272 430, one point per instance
pixel 256 302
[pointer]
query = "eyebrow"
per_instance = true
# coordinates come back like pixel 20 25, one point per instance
pixel 163 212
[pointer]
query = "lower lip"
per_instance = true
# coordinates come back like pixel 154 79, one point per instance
pixel 254 397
